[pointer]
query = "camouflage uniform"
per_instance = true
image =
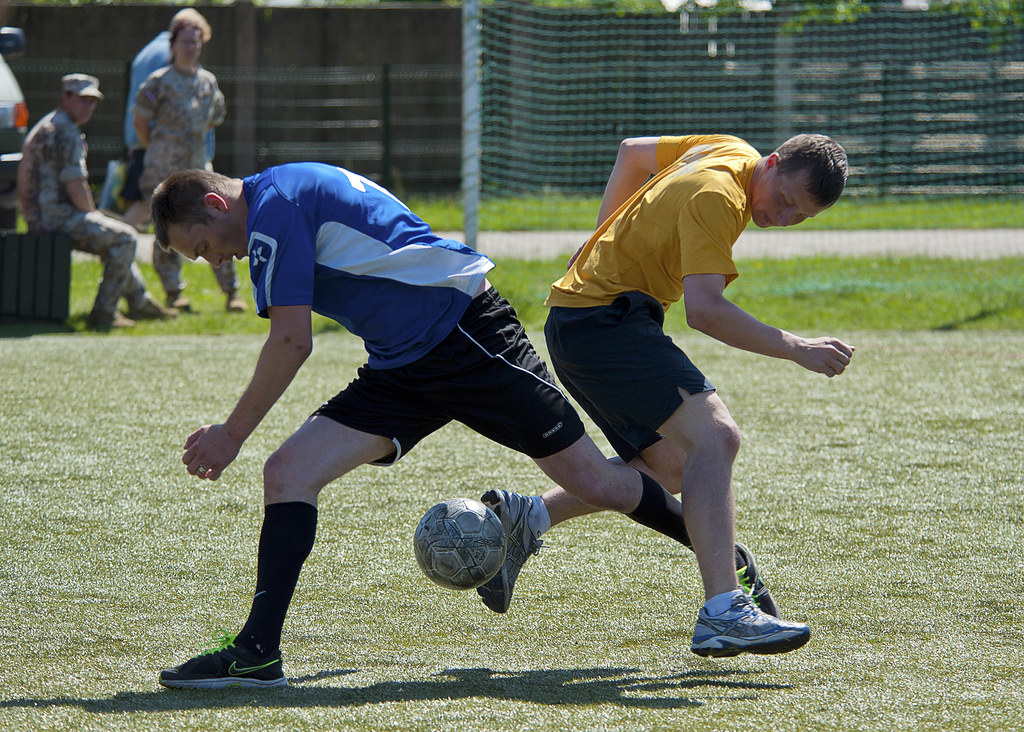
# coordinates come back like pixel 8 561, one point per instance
pixel 54 154
pixel 182 108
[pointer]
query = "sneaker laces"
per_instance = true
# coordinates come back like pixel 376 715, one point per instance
pixel 519 555
pixel 745 607
pixel 223 640
pixel 746 583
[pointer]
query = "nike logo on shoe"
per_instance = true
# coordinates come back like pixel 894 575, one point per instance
pixel 235 670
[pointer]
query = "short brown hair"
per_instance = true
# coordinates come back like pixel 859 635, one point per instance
pixel 824 160
pixel 179 200
pixel 190 18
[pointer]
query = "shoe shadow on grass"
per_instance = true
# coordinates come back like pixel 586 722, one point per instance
pixel 626 687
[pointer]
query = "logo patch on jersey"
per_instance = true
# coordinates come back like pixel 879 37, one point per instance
pixel 260 252
pixel 261 265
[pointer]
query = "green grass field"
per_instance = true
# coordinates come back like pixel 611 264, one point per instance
pixel 799 294
pixel 885 507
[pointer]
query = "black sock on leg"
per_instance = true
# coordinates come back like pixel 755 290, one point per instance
pixel 659 510
pixel 286 539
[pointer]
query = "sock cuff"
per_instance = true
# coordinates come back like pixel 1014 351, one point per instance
pixel 540 519
pixel 651 490
pixel 290 508
pixel 289 528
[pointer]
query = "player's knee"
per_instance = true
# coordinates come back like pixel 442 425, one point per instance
pixel 122 250
pixel 726 440
pixel 718 442
pixel 280 478
pixel 287 476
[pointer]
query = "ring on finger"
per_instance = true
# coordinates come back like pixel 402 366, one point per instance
pixel 201 471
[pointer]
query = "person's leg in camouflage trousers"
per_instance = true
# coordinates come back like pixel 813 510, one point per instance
pixel 168 269
pixel 114 243
pixel 227 278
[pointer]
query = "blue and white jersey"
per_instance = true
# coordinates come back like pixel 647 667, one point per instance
pixel 326 237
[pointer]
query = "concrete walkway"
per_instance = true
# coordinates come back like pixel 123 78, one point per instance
pixel 758 244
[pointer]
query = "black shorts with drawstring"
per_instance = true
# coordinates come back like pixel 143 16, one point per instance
pixel 485 374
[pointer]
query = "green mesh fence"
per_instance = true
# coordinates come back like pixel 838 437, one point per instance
pixel 923 104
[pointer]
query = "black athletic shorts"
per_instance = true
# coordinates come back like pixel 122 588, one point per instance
pixel 132 173
pixel 617 362
pixel 485 374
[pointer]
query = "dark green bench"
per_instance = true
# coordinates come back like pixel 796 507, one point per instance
pixel 35 276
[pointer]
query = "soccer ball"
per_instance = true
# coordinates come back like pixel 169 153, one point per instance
pixel 460 543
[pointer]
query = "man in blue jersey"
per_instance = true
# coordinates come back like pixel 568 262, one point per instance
pixel 443 345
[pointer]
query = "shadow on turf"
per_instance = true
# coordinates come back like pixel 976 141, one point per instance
pixel 28 328
pixel 626 687
pixel 968 319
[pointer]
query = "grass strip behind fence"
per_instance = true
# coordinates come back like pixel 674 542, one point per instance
pixel 802 294
pixel 849 213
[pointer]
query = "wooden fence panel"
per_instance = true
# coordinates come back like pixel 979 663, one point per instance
pixel 35 277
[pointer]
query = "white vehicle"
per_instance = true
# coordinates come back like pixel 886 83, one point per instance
pixel 13 126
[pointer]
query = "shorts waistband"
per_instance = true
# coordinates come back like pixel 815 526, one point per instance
pixel 485 299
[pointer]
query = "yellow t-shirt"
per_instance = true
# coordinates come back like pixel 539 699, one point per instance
pixel 683 221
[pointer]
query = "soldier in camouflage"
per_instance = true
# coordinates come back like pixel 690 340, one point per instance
pixel 53 188
pixel 174 109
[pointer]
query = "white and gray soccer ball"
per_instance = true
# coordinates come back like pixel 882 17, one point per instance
pixel 460 543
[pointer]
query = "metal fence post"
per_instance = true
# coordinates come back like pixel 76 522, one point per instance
pixel 470 121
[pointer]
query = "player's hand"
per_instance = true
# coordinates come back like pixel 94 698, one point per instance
pixel 825 355
pixel 208 451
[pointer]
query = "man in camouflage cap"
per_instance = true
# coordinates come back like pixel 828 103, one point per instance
pixel 53 189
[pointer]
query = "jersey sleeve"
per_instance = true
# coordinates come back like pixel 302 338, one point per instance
pixel 282 256
pixel 671 148
pixel 707 227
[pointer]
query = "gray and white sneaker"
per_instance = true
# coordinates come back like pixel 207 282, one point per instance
pixel 520 542
pixel 745 628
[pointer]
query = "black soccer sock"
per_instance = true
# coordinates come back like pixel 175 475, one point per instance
pixel 659 510
pixel 285 541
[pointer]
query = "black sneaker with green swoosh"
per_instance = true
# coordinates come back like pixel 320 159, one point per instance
pixel 225 665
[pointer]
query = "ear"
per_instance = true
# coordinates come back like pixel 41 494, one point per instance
pixel 215 201
pixel 771 160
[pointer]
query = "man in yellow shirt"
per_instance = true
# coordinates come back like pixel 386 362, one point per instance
pixel 672 210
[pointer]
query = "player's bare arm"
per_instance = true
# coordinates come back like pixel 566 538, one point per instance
pixel 637 160
pixel 708 311
pixel 209 450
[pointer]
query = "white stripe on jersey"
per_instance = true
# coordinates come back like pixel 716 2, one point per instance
pixel 348 250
